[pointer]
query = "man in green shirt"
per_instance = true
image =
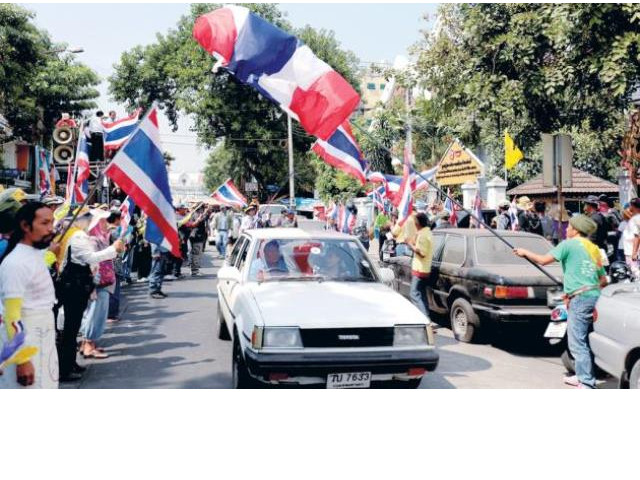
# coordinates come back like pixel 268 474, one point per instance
pixel 583 276
pixel 381 220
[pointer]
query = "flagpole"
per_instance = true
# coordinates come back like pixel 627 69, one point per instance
pixel 292 191
pixel 472 215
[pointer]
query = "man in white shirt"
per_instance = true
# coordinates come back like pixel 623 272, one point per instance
pixel 96 130
pixel 28 296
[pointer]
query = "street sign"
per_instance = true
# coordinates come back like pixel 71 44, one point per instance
pixel 251 187
pixel 557 151
pixel 458 165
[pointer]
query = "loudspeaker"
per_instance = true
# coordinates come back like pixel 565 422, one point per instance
pixel 63 135
pixel 63 154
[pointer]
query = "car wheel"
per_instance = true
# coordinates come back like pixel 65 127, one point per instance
pixel 223 330
pixel 634 376
pixel 464 321
pixel 239 372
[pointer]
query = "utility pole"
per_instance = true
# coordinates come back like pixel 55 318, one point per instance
pixel 292 187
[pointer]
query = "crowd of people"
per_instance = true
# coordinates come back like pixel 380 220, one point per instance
pixel 62 271
pixel 54 268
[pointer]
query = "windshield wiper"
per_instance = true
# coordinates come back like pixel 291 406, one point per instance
pixel 295 278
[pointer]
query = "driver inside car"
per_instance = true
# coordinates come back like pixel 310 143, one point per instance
pixel 272 261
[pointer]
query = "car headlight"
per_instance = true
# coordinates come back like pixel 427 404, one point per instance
pixel 281 337
pixel 410 335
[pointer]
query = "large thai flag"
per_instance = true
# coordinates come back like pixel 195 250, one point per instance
pixel 279 66
pixel 118 132
pixel 228 194
pixel 407 187
pixel 139 170
pixel 342 152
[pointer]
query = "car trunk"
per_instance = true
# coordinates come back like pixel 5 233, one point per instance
pixel 537 283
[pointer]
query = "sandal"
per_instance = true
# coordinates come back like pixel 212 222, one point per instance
pixel 95 353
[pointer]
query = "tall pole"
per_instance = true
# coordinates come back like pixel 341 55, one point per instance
pixel 292 186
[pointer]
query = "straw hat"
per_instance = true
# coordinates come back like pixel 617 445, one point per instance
pixel 524 203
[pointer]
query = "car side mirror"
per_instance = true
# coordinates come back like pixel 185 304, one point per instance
pixel 229 274
pixel 387 276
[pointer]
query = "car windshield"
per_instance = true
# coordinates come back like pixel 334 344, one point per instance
pixel 492 251
pixel 310 259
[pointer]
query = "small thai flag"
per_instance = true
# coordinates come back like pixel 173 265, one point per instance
pixel 118 132
pixel 228 194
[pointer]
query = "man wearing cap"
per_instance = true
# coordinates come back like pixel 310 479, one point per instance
pixel 591 209
pixel 583 276
pixel 443 220
pixel 504 219
pixel 288 219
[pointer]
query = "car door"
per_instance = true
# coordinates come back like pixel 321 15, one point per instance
pixel 438 246
pixel 453 256
pixel 226 287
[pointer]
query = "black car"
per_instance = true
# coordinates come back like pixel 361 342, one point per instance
pixel 478 282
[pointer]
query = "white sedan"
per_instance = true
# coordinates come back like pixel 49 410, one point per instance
pixel 311 308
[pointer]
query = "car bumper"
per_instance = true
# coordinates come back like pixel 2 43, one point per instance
pixel 533 315
pixel 314 367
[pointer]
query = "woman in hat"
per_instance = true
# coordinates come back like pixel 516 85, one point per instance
pixel 583 276
pixel 79 255
pixel 250 219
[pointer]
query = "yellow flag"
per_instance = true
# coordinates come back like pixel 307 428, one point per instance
pixel 512 154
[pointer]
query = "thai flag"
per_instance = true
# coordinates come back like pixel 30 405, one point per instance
pixel 377 196
pixel 228 194
pixel 477 212
pixel 408 185
pixel 118 132
pixel 279 66
pixel 126 209
pixel 44 170
pixel 513 214
pixel 342 152
pixel 78 183
pixel 421 180
pixel 452 208
pixel 139 170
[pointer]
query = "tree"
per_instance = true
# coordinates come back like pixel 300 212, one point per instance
pixel 531 69
pixel 176 72
pixel 36 84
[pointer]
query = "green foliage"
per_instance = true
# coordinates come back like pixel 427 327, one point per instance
pixel 176 72
pixel 36 83
pixel 532 69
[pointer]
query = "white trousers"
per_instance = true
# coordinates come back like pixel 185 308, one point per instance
pixel 40 333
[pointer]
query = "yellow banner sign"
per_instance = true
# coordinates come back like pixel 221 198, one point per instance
pixel 458 166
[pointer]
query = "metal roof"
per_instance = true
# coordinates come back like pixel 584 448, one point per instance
pixel 583 182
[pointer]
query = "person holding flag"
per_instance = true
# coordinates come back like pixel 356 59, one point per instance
pixel 422 248
pixel 583 277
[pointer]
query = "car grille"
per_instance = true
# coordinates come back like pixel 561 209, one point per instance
pixel 347 337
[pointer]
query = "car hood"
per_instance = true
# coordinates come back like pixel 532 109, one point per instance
pixel 332 305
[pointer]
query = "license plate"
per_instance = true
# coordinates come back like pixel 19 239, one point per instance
pixel 556 330
pixel 349 380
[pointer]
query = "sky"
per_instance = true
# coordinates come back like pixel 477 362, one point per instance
pixel 374 32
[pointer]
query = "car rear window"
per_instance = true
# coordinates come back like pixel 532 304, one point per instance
pixel 492 251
